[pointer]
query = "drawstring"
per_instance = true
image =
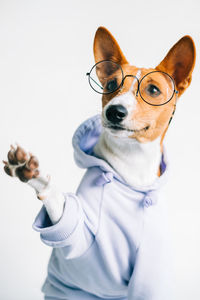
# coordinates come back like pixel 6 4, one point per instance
pixel 105 177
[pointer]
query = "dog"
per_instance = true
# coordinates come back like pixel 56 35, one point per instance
pixel 110 239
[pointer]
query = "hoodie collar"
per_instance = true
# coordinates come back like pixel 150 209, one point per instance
pixel 84 140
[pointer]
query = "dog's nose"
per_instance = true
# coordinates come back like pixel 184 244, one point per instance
pixel 116 113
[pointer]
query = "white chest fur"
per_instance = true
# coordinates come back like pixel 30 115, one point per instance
pixel 136 163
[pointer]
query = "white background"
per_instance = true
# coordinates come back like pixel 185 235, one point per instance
pixel 45 51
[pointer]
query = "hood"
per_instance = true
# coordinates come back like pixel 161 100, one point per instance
pixel 84 140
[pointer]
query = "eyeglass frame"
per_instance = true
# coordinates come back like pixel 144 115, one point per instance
pixel 138 81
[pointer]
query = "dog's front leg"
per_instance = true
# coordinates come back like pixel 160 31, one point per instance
pixel 25 166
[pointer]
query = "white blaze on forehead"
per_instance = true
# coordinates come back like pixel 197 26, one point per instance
pixel 127 99
pixel 135 79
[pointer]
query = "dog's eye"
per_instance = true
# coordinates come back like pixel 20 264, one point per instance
pixel 112 85
pixel 153 90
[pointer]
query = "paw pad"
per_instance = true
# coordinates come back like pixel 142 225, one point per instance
pixel 22 164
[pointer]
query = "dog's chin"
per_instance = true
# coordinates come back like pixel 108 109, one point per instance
pixel 121 132
pixel 118 133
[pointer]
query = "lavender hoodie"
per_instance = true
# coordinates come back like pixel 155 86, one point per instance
pixel 112 240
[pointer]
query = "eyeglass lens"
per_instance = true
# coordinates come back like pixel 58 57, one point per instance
pixel 156 88
pixel 106 77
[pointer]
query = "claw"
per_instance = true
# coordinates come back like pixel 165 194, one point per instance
pixel 5 162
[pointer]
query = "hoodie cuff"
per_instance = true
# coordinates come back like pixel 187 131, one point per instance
pixel 67 229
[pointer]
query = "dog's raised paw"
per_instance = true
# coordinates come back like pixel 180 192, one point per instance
pixel 21 164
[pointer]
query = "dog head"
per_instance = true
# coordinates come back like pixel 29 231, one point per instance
pixel 138 103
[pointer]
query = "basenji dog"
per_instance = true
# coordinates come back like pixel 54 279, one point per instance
pixel 108 237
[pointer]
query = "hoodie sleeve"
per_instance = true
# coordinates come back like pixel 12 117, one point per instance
pixel 71 231
pixel 152 275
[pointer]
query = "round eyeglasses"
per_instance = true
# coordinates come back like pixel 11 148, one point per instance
pixel 155 88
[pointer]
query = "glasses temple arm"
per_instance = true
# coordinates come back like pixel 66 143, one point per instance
pixel 174 108
pixel 88 74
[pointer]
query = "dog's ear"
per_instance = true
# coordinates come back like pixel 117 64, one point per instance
pixel 179 63
pixel 107 48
